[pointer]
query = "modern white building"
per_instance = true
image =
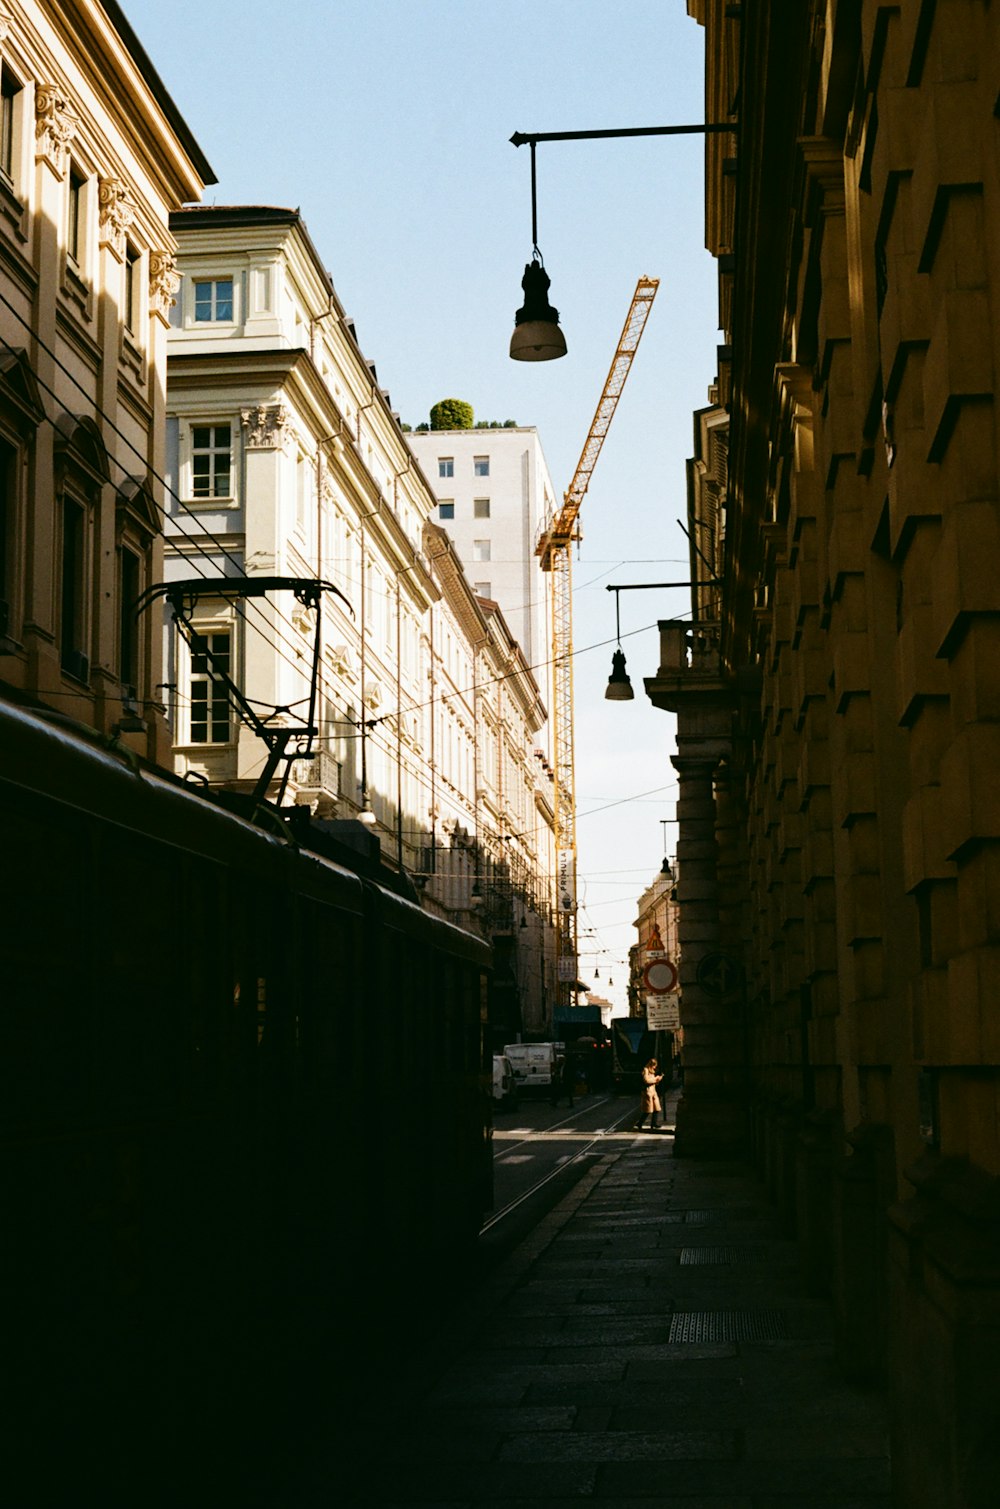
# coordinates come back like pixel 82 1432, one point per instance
pixel 494 497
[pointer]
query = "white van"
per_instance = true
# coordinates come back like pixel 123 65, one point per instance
pixel 535 1065
pixel 504 1082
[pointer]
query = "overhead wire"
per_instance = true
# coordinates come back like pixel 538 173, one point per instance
pixel 222 548
pixel 147 468
pixel 274 641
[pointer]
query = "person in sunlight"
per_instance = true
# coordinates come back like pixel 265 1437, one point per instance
pixel 649 1102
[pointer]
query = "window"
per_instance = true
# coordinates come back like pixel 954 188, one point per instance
pixel 446 508
pixel 211 460
pixel 74 217
pixel 131 310
pixel 209 698
pixel 480 550
pixel 72 626
pixel 483 589
pixel 480 466
pixel 446 466
pixel 213 300
pixel 305 495
pixel 128 624
pixel 9 90
pixel 481 508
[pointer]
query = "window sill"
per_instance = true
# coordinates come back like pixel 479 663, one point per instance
pixel 209 505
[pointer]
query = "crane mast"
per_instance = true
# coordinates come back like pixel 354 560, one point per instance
pixel 554 551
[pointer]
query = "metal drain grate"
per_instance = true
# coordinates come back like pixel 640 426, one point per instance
pixel 722 1255
pixel 728 1325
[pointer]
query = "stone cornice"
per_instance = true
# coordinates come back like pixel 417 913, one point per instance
pixel 440 551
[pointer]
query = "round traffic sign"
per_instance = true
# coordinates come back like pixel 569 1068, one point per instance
pixel 660 976
pixel 719 974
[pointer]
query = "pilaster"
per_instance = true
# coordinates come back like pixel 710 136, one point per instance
pixel 711 1115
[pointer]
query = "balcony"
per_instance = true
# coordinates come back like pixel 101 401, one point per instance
pixel 690 682
pixel 689 663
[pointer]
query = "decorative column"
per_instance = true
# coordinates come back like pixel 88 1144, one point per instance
pixel 55 126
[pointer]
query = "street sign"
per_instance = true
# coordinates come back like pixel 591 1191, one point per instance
pixel 660 976
pixel 719 974
pixel 663 1013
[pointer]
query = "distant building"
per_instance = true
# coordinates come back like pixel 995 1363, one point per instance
pixel 494 497
pixel 656 924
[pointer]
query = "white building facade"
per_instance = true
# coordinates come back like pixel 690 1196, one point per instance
pixel 284 448
pixel 286 453
pixel 492 842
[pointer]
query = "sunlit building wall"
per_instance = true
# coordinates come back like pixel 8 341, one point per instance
pixel 93 158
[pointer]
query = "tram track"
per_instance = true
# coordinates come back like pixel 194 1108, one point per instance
pixel 592 1139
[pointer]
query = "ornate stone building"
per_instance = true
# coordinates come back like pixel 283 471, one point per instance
pixel 287 461
pixel 838 693
pixel 93 158
pixel 657 926
pixel 491 840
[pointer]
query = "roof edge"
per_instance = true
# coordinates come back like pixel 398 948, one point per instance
pixel 142 61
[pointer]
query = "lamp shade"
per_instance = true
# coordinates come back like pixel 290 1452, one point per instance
pixel 619 688
pixel 537 337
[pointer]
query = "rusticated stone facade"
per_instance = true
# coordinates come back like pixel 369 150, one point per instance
pixel 855 212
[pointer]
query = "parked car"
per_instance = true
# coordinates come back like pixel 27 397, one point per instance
pixel 504 1083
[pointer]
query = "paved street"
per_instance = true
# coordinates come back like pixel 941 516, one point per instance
pixel 650 1342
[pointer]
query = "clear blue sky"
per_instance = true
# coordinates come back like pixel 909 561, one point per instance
pixel 388 124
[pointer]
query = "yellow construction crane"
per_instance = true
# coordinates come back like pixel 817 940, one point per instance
pixel 554 550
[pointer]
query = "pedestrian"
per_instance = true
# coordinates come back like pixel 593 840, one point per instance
pixel 564 1082
pixel 649 1101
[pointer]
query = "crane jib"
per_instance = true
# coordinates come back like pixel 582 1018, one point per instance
pixel 553 549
